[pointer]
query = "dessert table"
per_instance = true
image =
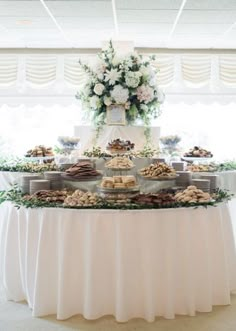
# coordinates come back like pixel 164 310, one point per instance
pixel 125 263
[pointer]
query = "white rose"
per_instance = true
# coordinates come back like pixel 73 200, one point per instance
pixel 107 101
pixel 99 88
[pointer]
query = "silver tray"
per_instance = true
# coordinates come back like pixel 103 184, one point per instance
pixel 120 169
pixel 118 189
pixel 82 178
pixel 158 178
pixel 191 158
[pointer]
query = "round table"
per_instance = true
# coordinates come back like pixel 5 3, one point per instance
pixel 125 263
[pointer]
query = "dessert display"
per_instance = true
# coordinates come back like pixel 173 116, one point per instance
pixel 201 167
pixel 120 146
pixel 40 151
pixel 119 162
pixel 81 170
pixel 96 152
pixel 48 196
pixel 83 199
pixel 154 199
pixel 118 182
pixel 197 151
pixel 158 171
pixel 192 195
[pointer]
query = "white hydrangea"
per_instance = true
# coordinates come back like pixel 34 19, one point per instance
pixel 95 102
pixel 145 93
pixel 112 76
pixel 99 88
pixel 120 94
pixel 132 79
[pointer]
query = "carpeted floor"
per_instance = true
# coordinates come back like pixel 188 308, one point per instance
pixel 17 317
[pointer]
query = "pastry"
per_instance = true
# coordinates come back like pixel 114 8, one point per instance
pixel 197 151
pixel 82 169
pixel 120 146
pixel 118 182
pixel 120 162
pixel 158 170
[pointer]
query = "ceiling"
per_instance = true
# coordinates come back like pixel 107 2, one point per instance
pixel 149 23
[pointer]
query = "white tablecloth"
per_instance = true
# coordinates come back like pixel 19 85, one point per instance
pixel 128 264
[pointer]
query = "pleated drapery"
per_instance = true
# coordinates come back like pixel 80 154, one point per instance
pixel 42 70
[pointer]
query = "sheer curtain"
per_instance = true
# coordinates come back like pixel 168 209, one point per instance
pixel 210 126
pixel 22 127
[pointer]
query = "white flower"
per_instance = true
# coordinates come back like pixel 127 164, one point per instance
pixel 132 79
pixel 120 94
pixel 144 107
pixel 100 67
pixel 99 88
pixel 160 96
pixel 145 93
pixel 152 81
pixel 107 101
pixel 100 76
pixel 116 60
pixel 95 102
pixel 87 90
pixel 128 62
pixel 147 71
pixel 112 76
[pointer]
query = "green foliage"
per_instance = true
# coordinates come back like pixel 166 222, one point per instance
pixel 227 165
pixel 19 165
pixel 18 200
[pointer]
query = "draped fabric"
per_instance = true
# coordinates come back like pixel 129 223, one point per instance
pixel 124 263
pixel 38 70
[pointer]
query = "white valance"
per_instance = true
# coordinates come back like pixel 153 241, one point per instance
pixel 186 70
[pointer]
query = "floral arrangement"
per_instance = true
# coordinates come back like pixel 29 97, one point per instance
pixel 129 81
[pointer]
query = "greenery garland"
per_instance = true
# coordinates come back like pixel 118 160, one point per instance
pixel 14 195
